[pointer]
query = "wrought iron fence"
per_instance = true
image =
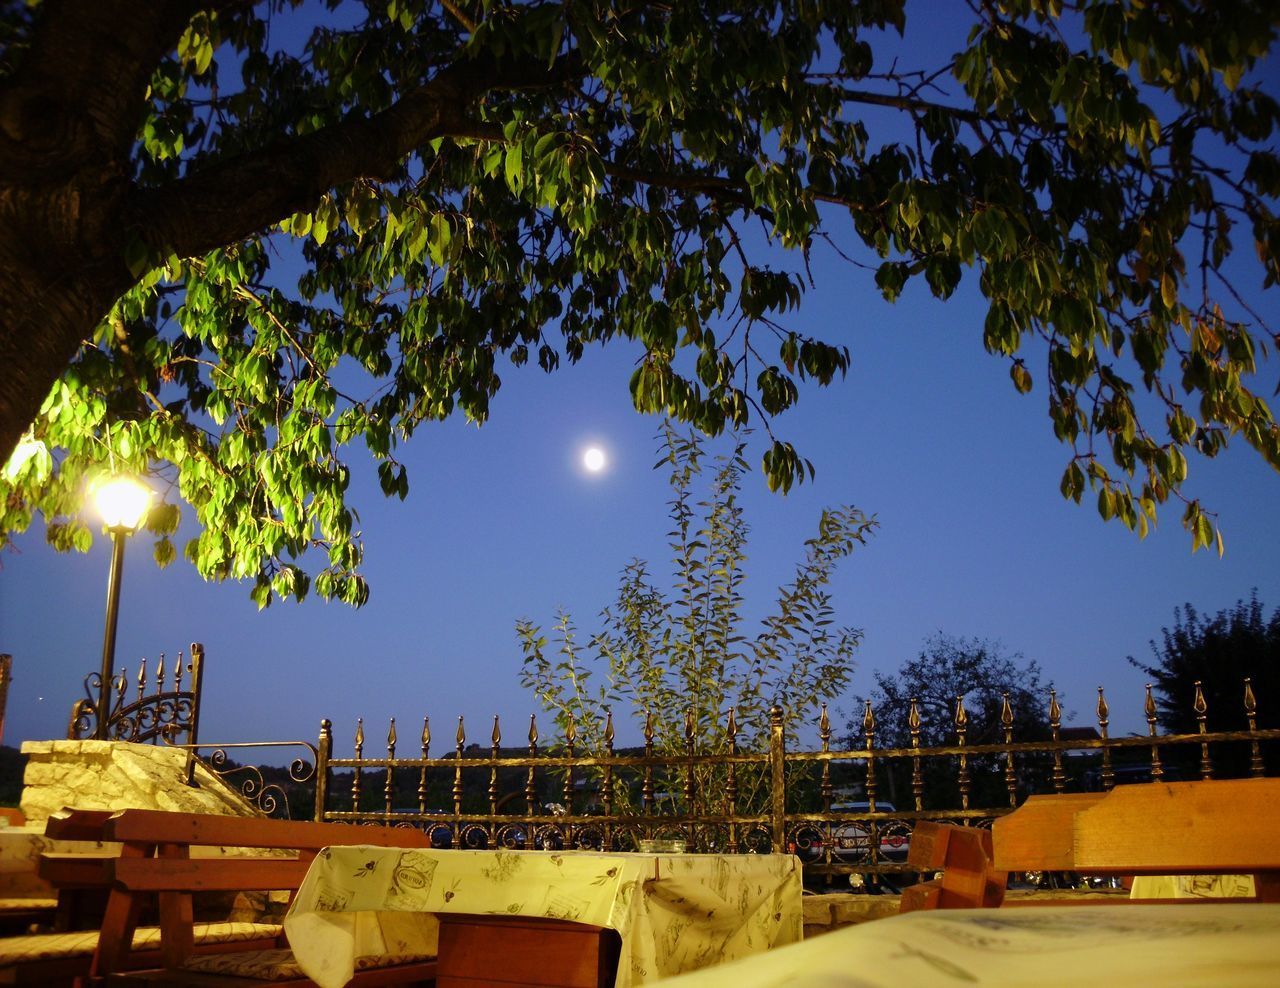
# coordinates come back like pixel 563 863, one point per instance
pixel 284 793
pixel 169 711
pixel 837 807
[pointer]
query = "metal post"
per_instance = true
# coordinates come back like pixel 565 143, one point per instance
pixel 197 683
pixel 324 751
pixel 118 536
pixel 6 676
pixel 777 780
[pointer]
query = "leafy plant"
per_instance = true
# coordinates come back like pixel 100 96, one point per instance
pixel 683 658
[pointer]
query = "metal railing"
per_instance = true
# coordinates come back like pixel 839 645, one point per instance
pixel 168 712
pixel 828 805
pixel 271 792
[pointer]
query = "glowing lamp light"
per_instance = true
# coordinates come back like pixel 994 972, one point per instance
pixel 122 502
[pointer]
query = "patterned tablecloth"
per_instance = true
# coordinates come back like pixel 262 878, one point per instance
pixel 674 912
pixel 1192 946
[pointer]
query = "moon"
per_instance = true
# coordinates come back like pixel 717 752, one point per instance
pixel 593 459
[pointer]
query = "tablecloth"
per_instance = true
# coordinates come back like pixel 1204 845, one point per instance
pixel 1192 946
pixel 674 912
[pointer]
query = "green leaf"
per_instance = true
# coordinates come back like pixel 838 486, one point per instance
pixel 441 235
pixel 514 168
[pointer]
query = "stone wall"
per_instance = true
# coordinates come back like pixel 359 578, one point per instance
pixel 836 910
pixel 117 775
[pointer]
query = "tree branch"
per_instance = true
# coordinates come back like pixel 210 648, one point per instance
pixel 910 103
pixel 459 15
pixel 235 198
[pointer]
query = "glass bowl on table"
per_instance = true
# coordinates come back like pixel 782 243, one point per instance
pixel 663 846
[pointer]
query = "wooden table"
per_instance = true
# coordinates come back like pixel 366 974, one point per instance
pixel 1194 946
pixel 671 912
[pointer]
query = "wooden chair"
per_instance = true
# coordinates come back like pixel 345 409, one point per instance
pixel 155 860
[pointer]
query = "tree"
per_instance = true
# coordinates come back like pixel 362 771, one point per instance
pixel 680 661
pixel 238 238
pixel 947 669
pixel 1219 652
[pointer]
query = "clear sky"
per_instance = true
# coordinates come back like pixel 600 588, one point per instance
pixel 927 433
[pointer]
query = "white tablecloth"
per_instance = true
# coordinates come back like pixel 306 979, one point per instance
pixel 1192 946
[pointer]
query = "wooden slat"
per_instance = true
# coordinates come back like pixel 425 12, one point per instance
pixel 208 874
pixel 72 824
pixel 921 895
pixel 1039 836
pixel 963 854
pixel 75 870
pixel 1227 826
pixel 159 826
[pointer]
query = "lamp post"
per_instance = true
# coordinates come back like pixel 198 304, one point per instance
pixel 122 502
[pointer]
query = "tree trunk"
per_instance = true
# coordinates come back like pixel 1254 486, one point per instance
pixel 58 277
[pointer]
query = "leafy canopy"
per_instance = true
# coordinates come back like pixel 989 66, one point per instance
pixel 346 218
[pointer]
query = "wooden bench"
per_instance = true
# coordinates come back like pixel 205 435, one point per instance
pixel 156 861
pixel 1227 826
pixel 1176 828
pixel 64 957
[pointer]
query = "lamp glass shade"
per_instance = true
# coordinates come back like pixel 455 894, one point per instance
pixel 122 501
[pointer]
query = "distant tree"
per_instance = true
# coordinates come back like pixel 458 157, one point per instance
pixel 947 668
pixel 687 652
pixel 1220 652
pixel 243 244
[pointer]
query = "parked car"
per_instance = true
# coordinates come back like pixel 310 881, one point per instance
pixel 851 841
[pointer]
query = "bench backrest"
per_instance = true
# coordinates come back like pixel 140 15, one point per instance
pixel 1226 826
pixel 1210 827
pixel 208 830
pixel 157 849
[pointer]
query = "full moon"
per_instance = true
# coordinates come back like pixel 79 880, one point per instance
pixel 593 459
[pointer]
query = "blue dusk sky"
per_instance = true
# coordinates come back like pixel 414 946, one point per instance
pixel 502 522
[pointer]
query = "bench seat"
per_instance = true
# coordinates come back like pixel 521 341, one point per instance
pixel 44 958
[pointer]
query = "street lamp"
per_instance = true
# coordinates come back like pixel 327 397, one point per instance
pixel 122 503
